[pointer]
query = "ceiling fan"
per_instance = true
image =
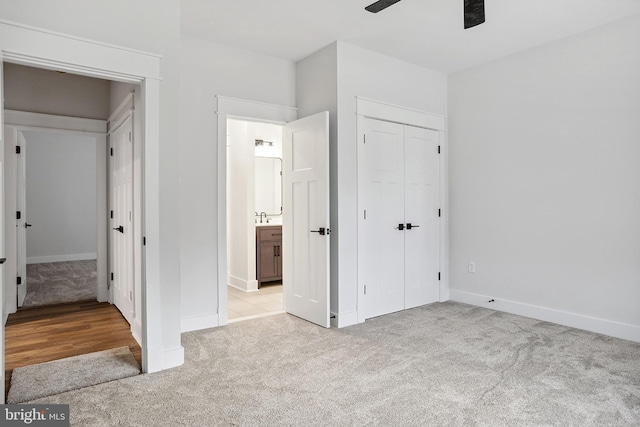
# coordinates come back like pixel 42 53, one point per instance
pixel 473 10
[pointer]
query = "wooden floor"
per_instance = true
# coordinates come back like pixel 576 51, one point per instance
pixel 43 334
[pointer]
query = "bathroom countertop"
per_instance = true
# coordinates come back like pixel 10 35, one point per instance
pixel 272 222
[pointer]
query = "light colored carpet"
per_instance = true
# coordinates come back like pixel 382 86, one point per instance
pixel 445 364
pixel 49 378
pixel 61 282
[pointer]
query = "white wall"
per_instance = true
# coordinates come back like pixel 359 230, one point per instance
pixel 345 71
pixel 148 25
pixel 61 196
pixel 44 91
pixel 210 69
pixel 545 183
pixel 241 258
pixel 317 90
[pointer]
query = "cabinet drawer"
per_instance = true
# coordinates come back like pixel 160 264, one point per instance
pixel 271 233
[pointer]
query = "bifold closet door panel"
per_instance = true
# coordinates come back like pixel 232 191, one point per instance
pixel 382 248
pixel 422 175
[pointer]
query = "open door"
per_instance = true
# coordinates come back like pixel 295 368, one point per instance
pixel 305 231
pixel 121 141
pixel 22 225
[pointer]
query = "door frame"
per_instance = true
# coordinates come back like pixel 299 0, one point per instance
pixel 377 110
pixel 48 123
pixel 40 48
pixel 241 109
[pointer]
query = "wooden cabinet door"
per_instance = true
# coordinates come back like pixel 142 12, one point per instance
pixel 268 260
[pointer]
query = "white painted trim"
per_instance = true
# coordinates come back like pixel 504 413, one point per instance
pixel 76 38
pixel 344 319
pixel 402 115
pixel 102 218
pixel 444 217
pixel 37 47
pixel 243 285
pixel 188 324
pixel 228 107
pixel 574 320
pixel 136 330
pixel 370 109
pixel 27 121
pixel 61 258
pixel 51 122
pixel 173 357
pixel 120 111
pixel 254 110
pixel 44 49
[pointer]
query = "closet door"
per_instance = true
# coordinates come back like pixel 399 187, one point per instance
pixel 381 248
pixel 422 237
pixel 398 233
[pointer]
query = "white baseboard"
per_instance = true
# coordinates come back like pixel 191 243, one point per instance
pixel 172 358
pixel 159 359
pixel 61 258
pixel 188 324
pixel 136 330
pixel 243 285
pixel 574 320
pixel 344 319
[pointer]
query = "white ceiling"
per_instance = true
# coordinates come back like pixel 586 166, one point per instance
pixel 425 32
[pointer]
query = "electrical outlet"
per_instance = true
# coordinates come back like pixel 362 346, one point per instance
pixel 472 266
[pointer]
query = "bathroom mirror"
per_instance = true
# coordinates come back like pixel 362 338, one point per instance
pixel 269 185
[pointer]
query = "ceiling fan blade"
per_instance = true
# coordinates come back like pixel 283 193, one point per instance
pixel 380 5
pixel 473 13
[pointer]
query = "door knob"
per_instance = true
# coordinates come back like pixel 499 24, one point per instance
pixel 400 227
pixel 120 229
pixel 27 225
pixel 321 231
pixel 410 226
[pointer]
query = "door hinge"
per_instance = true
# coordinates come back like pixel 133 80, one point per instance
pixel 438 149
pixel 364 140
pixel 439 212
pixel 144 241
pixel 18 215
pixel 19 280
pixel 130 295
pixel 129 136
pixel 111 214
pixel 365 214
pixel 438 275
pixel 17 149
pixel 365 289
pixel 111 276
pixel 111 151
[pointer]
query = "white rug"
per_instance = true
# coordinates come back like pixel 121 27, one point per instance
pixel 49 378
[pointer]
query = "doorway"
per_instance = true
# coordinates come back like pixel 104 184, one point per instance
pixel 305 230
pixel 254 219
pixel 60 214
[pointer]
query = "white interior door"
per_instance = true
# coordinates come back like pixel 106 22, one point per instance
pixel 422 237
pixel 22 225
pixel 305 231
pixel 381 250
pixel 121 142
pixel 398 232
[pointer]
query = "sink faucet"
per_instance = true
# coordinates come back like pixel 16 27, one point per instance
pixel 265 216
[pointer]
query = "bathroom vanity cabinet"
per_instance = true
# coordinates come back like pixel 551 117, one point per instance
pixel 268 253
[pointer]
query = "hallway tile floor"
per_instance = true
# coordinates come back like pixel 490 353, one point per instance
pixel 267 300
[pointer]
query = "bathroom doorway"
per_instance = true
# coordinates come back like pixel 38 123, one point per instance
pixel 254 219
